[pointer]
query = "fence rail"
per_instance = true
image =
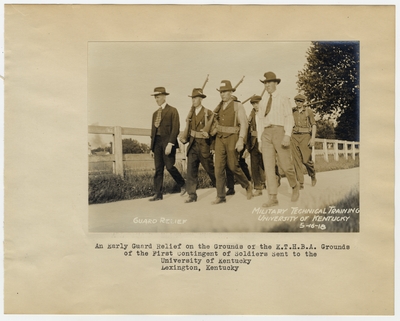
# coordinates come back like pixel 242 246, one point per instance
pixel 329 147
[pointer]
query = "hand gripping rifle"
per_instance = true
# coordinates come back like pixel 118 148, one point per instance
pixel 216 111
pixel 185 134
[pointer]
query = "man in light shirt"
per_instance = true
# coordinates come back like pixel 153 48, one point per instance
pixel 276 125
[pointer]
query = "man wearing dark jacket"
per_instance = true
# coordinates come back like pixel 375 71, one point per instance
pixel 199 148
pixel 164 133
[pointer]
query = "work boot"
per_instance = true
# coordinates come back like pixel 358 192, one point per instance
pixel 191 199
pixel 183 189
pixel 156 198
pixel 219 200
pixel 295 192
pixel 258 192
pixel 313 181
pixel 249 191
pixel 273 201
pixel 230 191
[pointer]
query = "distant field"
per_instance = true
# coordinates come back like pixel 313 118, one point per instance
pixel 142 163
pixel 145 164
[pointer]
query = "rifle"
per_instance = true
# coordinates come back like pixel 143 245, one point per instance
pixel 262 94
pixel 185 134
pixel 217 109
pixel 313 103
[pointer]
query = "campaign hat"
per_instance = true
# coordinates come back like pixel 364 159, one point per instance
pixel 300 97
pixel 198 92
pixel 226 86
pixel 270 76
pixel 255 99
pixel 159 91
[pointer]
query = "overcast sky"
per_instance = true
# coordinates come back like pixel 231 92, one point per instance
pixel 123 75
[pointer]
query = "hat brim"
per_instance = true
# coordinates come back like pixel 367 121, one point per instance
pixel 232 90
pixel 158 94
pixel 202 96
pixel 276 80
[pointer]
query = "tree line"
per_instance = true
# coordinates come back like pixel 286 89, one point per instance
pixel 129 146
pixel 332 75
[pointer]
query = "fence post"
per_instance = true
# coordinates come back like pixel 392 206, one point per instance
pixel 345 150
pixel 336 149
pixel 325 148
pixel 118 167
pixel 353 149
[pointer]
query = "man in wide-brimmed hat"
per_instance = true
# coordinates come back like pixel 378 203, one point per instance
pixel 303 139
pixel 231 131
pixel 199 148
pixel 230 177
pixel 164 133
pixel 257 164
pixel 276 124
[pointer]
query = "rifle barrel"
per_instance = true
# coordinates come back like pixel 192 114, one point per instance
pixel 205 82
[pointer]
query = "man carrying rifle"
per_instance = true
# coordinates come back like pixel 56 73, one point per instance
pixel 230 178
pixel 257 165
pixel 198 150
pixel 303 139
pixel 231 131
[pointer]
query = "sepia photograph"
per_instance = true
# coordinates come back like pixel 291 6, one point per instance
pixel 199 168
pixel 199 160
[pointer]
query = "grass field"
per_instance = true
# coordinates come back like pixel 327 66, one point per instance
pixel 107 187
pixel 351 201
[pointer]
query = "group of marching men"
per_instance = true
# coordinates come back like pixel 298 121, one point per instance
pixel 273 135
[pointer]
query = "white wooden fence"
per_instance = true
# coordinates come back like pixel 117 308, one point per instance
pixel 329 147
pixel 336 148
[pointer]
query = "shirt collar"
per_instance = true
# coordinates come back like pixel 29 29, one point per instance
pixel 163 105
pixel 300 110
pixel 228 102
pixel 275 93
pixel 198 109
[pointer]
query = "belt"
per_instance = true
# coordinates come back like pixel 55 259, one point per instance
pixel 195 134
pixel 301 130
pixel 273 126
pixel 227 129
pixel 301 133
pixel 254 133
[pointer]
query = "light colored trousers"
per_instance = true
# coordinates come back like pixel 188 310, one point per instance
pixel 271 147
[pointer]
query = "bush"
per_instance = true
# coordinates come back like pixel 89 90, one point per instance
pixel 105 188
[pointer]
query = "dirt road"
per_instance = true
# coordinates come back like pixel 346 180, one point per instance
pixel 237 215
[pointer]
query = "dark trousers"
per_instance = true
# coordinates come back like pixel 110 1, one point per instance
pixel 199 153
pixel 227 156
pixel 301 153
pixel 230 178
pixel 160 161
pixel 257 168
